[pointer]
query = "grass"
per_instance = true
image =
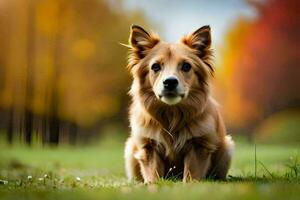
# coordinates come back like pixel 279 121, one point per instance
pixel 97 172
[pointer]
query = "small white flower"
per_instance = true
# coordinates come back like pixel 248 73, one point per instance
pixel 46 176
pixel 40 179
pixel 4 182
pixel 78 178
pixel 29 177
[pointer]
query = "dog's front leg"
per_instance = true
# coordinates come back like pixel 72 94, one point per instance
pixel 196 164
pixel 151 165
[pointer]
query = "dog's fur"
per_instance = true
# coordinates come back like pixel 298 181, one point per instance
pixel 182 136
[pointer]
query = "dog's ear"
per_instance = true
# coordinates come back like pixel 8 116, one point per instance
pixel 200 41
pixel 141 41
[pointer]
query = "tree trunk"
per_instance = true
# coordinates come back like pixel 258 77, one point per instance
pixel 54 121
pixel 72 133
pixel 10 127
pixel 28 116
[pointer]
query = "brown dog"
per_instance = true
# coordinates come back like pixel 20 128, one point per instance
pixel 176 127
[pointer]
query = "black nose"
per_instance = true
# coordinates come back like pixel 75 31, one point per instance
pixel 170 83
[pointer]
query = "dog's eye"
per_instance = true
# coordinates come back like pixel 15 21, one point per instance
pixel 186 67
pixel 156 67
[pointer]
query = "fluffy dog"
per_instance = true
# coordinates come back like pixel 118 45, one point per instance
pixel 176 127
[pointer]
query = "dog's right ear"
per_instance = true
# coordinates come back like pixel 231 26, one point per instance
pixel 141 41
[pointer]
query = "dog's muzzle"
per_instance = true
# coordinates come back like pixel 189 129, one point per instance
pixel 170 94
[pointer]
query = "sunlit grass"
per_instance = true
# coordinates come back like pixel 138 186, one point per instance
pixel 97 172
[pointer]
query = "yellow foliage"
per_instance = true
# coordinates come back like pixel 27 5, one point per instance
pixel 47 16
pixel 66 54
pixel 83 48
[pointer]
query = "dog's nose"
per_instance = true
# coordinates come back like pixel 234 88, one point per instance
pixel 170 83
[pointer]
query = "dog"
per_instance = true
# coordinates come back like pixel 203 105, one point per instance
pixel 176 127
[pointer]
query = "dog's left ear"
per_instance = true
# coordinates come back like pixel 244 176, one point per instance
pixel 200 41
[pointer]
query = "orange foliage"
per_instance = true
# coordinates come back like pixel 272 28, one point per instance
pixel 259 73
pixel 236 109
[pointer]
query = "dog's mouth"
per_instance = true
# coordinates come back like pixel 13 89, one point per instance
pixel 171 98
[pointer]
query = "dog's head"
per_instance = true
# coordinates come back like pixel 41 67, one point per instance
pixel 172 73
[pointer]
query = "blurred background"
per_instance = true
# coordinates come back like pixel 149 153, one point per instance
pixel 63 77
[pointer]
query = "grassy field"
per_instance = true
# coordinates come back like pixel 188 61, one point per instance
pixel 96 172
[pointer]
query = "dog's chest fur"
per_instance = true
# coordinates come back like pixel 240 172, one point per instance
pixel 171 142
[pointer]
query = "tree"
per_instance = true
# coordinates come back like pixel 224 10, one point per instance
pixel 262 61
pixel 63 69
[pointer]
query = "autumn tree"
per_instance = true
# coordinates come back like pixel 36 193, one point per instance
pixel 261 64
pixel 63 69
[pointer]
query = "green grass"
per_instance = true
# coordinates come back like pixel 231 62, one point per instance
pixel 96 172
